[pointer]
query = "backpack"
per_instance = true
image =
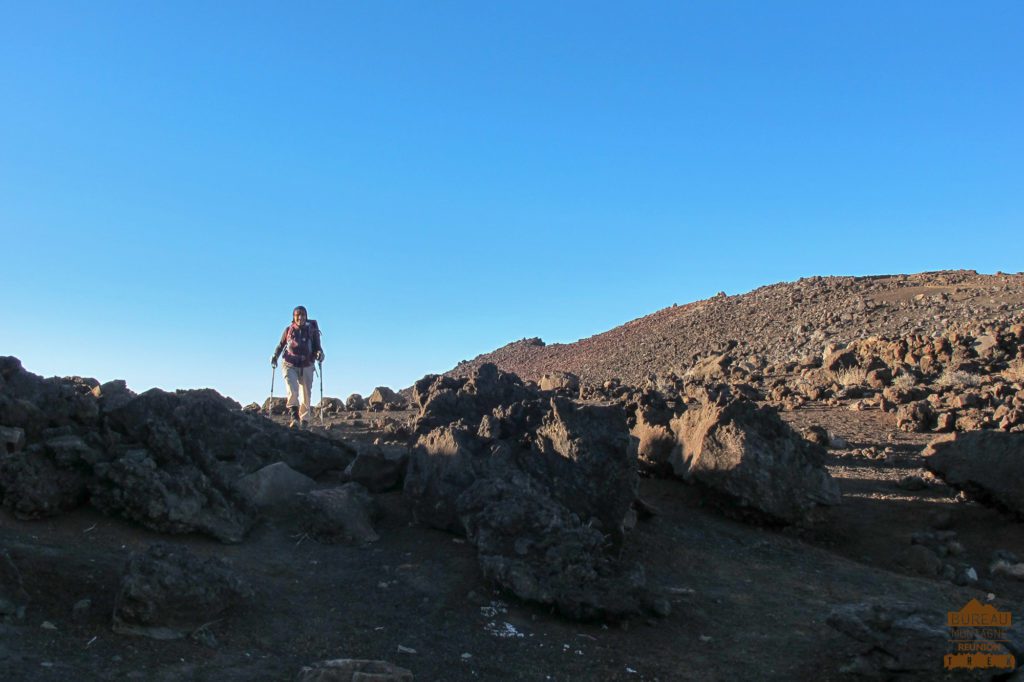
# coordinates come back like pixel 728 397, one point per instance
pixel 300 342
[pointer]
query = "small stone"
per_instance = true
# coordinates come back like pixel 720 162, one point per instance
pixel 47 625
pixel 912 482
pixel 405 650
pixel 80 611
pixel 966 576
pixel 921 560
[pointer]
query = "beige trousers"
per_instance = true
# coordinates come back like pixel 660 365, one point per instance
pixel 299 381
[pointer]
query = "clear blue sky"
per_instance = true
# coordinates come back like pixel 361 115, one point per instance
pixel 435 179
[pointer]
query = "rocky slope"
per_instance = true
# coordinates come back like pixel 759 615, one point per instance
pixel 779 322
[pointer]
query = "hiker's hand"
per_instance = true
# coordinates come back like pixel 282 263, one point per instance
pixel 320 356
pixel 273 361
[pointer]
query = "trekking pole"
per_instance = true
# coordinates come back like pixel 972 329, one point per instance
pixel 321 363
pixel 270 403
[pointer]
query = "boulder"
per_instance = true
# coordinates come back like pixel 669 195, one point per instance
pixel 384 398
pixel 48 478
pixel 916 416
pixel 355 402
pixel 751 457
pixel 988 465
pixel 331 405
pixel 167 593
pixel 443 400
pixel 817 435
pixel 34 404
pixel 442 465
pixel 563 382
pixel 839 360
pixel 171 494
pixel 12 440
pixel 711 369
pixel 179 455
pixel 341 515
pixel 544 495
pixel 203 421
pixel 654 441
pixel 113 394
pixel 586 463
pixel 532 546
pixel 379 467
pixel 273 485
pixel 275 406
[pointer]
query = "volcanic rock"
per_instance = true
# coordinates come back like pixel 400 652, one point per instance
pixel 753 458
pixel 443 400
pixel 276 406
pixel 166 593
pixel 988 465
pixel 273 485
pixel 916 416
pixel 12 440
pixel 113 394
pixel 379 467
pixel 532 546
pixel 384 398
pixel 33 404
pixel 341 515
pixel 47 478
pixel 544 496
pixel 171 493
pixel 563 382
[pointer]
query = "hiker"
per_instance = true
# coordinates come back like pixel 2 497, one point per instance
pixel 300 343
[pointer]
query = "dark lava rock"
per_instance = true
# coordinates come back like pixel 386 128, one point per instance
pixel 988 465
pixel 379 467
pixel 543 494
pixel 167 593
pixel 341 515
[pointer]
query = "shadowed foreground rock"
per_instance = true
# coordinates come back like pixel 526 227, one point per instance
pixel 341 515
pixel 541 487
pixel 168 461
pixel 988 465
pixel 167 593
